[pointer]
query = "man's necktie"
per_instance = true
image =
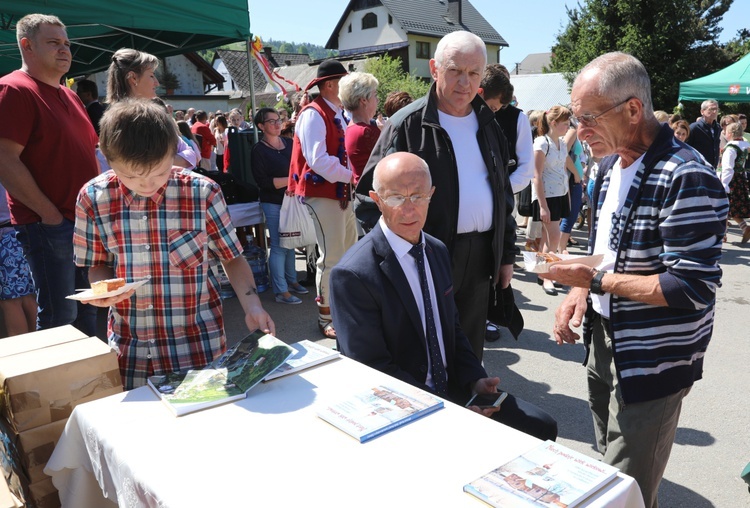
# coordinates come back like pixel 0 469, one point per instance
pixel 439 376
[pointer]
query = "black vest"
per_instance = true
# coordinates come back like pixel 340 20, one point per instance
pixel 508 120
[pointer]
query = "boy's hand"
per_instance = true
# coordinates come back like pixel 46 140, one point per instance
pixel 110 301
pixel 257 318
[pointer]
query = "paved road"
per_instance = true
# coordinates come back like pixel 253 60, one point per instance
pixel 713 442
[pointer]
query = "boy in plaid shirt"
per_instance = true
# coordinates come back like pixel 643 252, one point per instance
pixel 147 219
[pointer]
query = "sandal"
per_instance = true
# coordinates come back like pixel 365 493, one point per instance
pixel 326 328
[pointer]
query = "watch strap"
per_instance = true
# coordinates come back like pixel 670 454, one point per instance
pixel 596 283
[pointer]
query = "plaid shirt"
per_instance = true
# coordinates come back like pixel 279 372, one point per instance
pixel 175 321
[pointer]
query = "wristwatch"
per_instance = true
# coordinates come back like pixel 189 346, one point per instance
pixel 596 283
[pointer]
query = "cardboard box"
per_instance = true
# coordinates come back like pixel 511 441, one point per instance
pixel 43 494
pixel 43 385
pixel 30 450
pixel 37 340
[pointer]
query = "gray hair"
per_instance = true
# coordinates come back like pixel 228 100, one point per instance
pixel 708 103
pixel 461 40
pixel 28 26
pixel 621 76
pixel 356 86
pixel 377 185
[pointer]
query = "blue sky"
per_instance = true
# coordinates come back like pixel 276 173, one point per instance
pixel 529 26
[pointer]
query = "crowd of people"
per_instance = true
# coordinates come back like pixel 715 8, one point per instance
pixel 415 223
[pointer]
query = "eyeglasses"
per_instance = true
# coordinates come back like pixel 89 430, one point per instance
pixel 396 200
pixel 590 120
pixel 273 122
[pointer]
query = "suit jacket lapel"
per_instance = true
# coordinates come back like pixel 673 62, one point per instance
pixel 392 270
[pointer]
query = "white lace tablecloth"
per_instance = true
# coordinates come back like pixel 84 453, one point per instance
pixel 270 450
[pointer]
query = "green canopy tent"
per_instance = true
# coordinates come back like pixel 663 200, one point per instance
pixel 98 28
pixel 731 84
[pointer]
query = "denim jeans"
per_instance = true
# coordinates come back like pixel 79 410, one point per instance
pixel 280 261
pixel 49 251
pixel 576 199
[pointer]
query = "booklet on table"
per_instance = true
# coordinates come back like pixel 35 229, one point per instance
pixel 368 414
pixel 227 378
pixel 547 475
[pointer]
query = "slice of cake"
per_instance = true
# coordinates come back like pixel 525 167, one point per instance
pixel 105 286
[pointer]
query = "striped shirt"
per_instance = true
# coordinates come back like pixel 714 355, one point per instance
pixel 175 321
pixel 672 224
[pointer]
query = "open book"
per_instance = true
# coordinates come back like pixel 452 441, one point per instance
pixel 228 378
pixel 547 475
pixel 379 409
pixel 307 354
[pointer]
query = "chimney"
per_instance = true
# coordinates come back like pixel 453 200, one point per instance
pixel 267 50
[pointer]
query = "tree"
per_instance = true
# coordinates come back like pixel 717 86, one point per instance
pixel 392 78
pixel 676 40
pixel 739 46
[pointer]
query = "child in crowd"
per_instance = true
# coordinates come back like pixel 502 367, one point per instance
pixel 147 219
pixel 17 295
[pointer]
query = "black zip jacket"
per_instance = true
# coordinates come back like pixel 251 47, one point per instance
pixel 416 129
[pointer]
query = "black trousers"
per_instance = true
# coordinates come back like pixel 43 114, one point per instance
pixel 526 417
pixel 472 265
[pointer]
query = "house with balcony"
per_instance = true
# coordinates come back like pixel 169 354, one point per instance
pixel 409 30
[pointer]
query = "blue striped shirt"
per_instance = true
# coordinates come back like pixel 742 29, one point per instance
pixel 673 224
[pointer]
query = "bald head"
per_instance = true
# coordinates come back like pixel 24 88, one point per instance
pixel 398 165
pixel 402 190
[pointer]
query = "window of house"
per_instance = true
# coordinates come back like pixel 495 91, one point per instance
pixel 369 20
pixel 350 28
pixel 423 50
pixel 390 19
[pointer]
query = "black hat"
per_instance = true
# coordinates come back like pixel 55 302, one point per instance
pixel 328 69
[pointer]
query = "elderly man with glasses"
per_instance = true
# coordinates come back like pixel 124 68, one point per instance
pixel 659 221
pixel 705 134
pixel 392 300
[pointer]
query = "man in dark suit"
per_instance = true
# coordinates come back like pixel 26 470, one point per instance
pixel 88 92
pixel 705 133
pixel 382 301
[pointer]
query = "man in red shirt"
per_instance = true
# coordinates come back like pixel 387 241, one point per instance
pixel 46 155
pixel 208 140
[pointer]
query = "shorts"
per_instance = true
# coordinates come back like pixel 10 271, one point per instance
pixel 15 274
pixel 559 207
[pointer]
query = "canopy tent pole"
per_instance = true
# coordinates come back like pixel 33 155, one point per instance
pixel 251 77
pixel 250 71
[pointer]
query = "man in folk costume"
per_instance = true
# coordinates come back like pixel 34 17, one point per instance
pixel 320 175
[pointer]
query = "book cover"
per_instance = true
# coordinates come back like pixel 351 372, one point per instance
pixel 228 378
pixel 547 475
pixel 379 409
pixel 307 354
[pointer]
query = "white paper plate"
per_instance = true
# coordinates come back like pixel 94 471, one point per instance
pixel 87 295
pixel 531 264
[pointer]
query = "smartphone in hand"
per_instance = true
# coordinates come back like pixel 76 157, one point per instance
pixel 487 400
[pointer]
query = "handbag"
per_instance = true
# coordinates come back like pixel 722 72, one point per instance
pixel 296 228
pixel 502 310
pixel 524 202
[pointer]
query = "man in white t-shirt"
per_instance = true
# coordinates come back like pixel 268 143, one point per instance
pixel 659 215
pixel 455 132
